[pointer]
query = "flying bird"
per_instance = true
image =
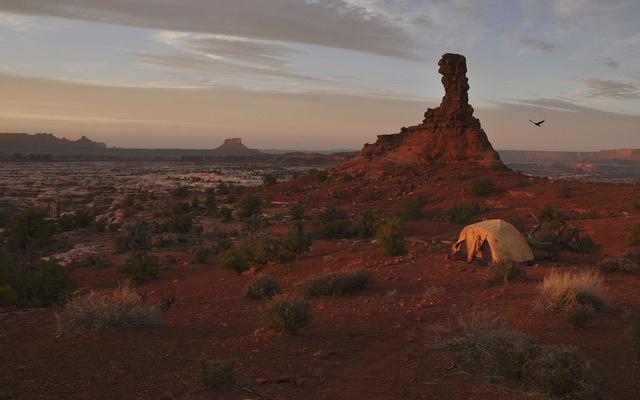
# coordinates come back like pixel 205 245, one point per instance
pixel 537 123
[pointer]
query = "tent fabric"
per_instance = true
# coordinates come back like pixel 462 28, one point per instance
pixel 504 241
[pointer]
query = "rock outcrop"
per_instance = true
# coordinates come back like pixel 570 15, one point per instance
pixel 448 133
pixel 234 148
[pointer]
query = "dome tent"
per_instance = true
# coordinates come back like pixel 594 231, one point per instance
pixel 492 241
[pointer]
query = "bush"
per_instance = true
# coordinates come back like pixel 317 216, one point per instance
pixel 95 312
pixel 41 285
pixel 562 373
pixel 8 296
pixel 180 192
pixel 232 259
pixel 217 374
pixel 297 212
pixel 338 283
pixel 269 180
pixel 483 188
pixel 259 248
pixel 140 267
pixel 177 219
pixel 288 314
pixel 249 206
pixel 136 238
pixel 628 264
pixel 29 230
pixel 80 219
pixel 366 225
pixel 575 294
pixel 634 236
pixel 334 223
pixel 463 213
pixel 411 209
pixel 551 214
pixel 262 287
pixel 632 328
pixel 503 273
pixel 199 254
pixel 587 245
pixel 389 234
pixel 225 214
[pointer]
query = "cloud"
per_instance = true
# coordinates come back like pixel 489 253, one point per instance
pixel 630 41
pixel 609 62
pixel 611 89
pixel 539 45
pixel 330 23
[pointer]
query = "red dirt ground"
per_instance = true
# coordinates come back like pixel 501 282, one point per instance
pixel 358 347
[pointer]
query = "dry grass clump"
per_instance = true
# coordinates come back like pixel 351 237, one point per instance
pixel 288 314
pixel 262 287
pixel 577 295
pixel 503 273
pixel 500 353
pixel 338 283
pixel 97 312
pixel 217 374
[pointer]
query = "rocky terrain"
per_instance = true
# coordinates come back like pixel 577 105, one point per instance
pixel 406 322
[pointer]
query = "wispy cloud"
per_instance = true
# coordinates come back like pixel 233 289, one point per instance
pixel 611 89
pixel 610 62
pixel 538 44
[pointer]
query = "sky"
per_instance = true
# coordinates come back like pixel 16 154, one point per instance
pixel 317 74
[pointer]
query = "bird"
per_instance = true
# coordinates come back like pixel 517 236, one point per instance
pixel 537 123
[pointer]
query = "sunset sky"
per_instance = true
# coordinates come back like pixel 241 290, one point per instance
pixel 317 74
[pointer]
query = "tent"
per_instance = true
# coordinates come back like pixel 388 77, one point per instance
pixel 492 241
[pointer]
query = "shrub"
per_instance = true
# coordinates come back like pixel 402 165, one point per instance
pixel 632 328
pixel 296 241
pixel 628 264
pixel 96 312
pixel 389 234
pixel 576 294
pixel 297 212
pixel 551 213
pixel 180 192
pixel 259 248
pixel 210 204
pixel 225 214
pixel 262 287
pixel 411 209
pixel 562 373
pixel 136 238
pixel 199 254
pixel 288 314
pixel 587 245
pixel 483 188
pixel 80 219
pixel 366 225
pixel 223 188
pixel 176 219
pixel 249 206
pixel 338 283
pixel 634 236
pixel 42 284
pixel 334 223
pixel 29 230
pixel 463 213
pixel 503 273
pixel 232 259
pixel 635 204
pixel 140 267
pixel 269 180
pixel 217 374
pixel 8 295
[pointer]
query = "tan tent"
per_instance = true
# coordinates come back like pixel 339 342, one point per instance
pixel 492 241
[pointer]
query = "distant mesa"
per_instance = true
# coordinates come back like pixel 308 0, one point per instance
pixel 47 143
pixel 449 133
pixel 234 148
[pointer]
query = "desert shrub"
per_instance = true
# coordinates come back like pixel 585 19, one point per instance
pixel 634 236
pixel 225 214
pixel 8 295
pixel 233 260
pixel 411 209
pixel 635 205
pixel 297 212
pixel 140 267
pixel 217 374
pixel 176 219
pixel 366 227
pixel 628 264
pixel 319 175
pixel 483 188
pixel 137 238
pixel 389 234
pixel 587 245
pixel 369 195
pixel 42 284
pixel 551 213
pixel 180 192
pixel 338 283
pixel 249 206
pixel 463 213
pixel 575 294
pixel 334 223
pixel 199 254
pixel 259 248
pixel 29 230
pixel 223 188
pixel 632 328
pixel 81 219
pixel 296 241
pixel 503 273
pixel 288 314
pixel 269 179
pixel 262 287
pixel 560 372
pixel 211 204
pixel 96 312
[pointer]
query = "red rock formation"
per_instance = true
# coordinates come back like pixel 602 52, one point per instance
pixel 449 133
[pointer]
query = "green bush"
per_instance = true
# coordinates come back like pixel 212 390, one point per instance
pixel 259 248
pixel 217 374
pixel 29 230
pixel 629 264
pixel 334 223
pixel 232 259
pixel 80 219
pixel 262 287
pixel 389 234
pixel 41 284
pixel 560 372
pixel 366 227
pixel 249 206
pixel 199 254
pixel 288 314
pixel 551 214
pixel 140 267
pixel 297 212
pixel 176 219
pixel 8 295
pixel 411 209
pixel 137 237
pixel 338 283
pixel 587 245
pixel 463 213
pixel 483 188
pixel 503 273
pixel 296 240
